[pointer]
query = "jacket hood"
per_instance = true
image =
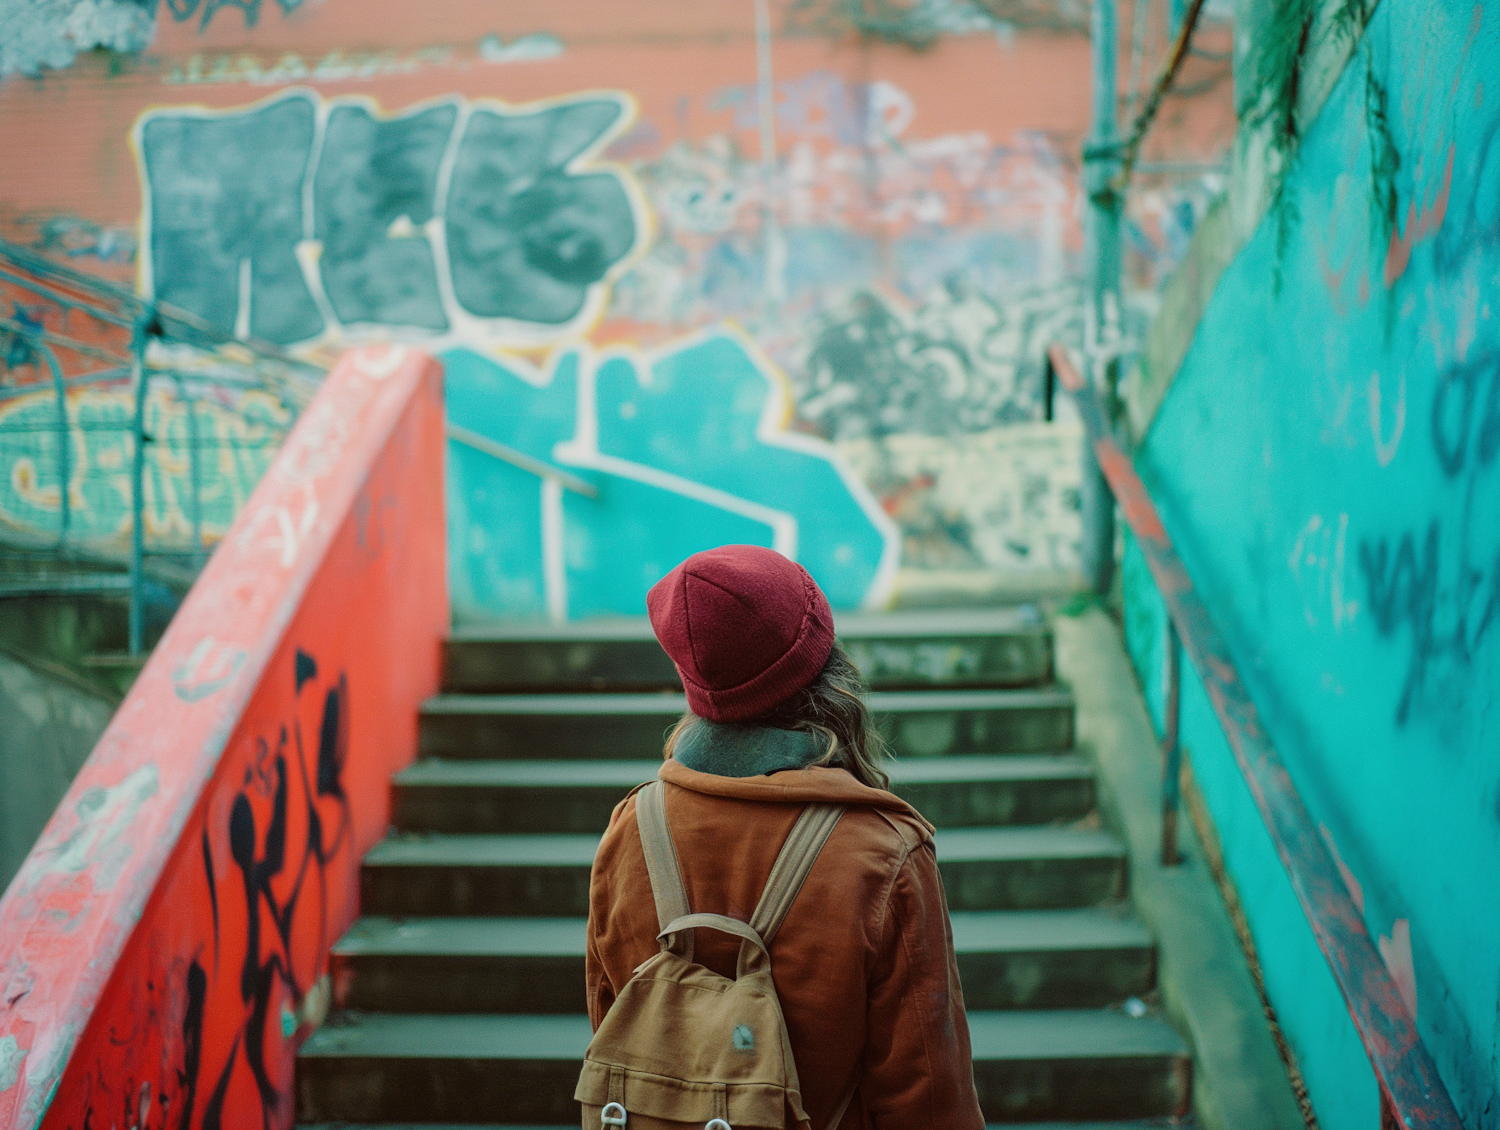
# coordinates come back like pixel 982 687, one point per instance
pixel 792 786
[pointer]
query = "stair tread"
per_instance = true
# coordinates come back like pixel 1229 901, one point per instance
pixel 543 849
pixel 1088 928
pixel 1070 1034
pixel 382 1035
pixel 994 1035
pixel 1023 842
pixel 481 937
pixel 858 625
pixel 485 850
pixel 628 773
pixel 973 932
pixel 587 704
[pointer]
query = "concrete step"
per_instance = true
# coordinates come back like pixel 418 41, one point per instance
pixel 591 726
pixel 1052 959
pixel 578 796
pixel 435 965
pixel 1007 959
pixel 1029 868
pixel 1019 868
pixel 376 1067
pixel 981 648
pixel 1097 1064
pixel 535 876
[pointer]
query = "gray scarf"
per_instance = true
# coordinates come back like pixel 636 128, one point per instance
pixel 730 750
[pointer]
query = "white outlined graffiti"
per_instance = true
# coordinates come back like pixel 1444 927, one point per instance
pixel 305 220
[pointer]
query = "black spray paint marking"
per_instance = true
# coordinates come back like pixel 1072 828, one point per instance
pixel 192 1035
pixel 1435 582
pixel 262 857
pixel 213 893
pixel 265 224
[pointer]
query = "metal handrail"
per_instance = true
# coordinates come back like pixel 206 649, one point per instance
pixel 1412 1094
pixel 508 454
pixel 116 309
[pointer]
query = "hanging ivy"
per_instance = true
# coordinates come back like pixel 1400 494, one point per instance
pixel 1279 69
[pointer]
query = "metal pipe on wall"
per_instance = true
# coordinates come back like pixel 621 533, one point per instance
pixel 1102 321
pixel 774 263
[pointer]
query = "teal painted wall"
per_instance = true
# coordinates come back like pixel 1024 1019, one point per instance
pixel 688 450
pixel 1328 462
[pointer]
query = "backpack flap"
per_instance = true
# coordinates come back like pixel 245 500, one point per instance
pixel 682 1044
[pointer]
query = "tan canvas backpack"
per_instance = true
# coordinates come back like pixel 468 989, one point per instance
pixel 683 1047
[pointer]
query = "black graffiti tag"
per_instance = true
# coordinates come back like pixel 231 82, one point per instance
pixel 1436 582
pixel 278 884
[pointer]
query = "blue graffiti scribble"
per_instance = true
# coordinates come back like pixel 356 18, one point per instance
pixel 184 10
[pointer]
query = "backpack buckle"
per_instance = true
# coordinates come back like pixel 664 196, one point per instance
pixel 613 1114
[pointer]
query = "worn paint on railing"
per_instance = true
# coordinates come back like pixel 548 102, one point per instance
pixel 1411 1090
pixel 165 945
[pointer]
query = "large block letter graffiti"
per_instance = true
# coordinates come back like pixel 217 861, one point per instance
pixel 526 236
pixel 224 216
pixel 374 195
pixel 299 219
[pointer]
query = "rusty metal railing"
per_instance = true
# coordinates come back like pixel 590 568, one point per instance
pixel 68 331
pixel 1411 1093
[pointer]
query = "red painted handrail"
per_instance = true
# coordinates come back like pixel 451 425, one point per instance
pixel 164 947
pixel 1412 1094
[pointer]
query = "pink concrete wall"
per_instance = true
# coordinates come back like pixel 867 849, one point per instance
pixel 165 945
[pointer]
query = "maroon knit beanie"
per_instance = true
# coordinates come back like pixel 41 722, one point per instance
pixel 746 628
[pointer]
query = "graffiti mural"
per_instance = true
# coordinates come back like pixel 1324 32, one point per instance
pixel 687 448
pixel 234 436
pixel 300 218
pixel 1328 458
pixel 205 10
pixel 959 363
pixel 1004 499
pixel 263 873
pixel 166 941
pixel 1438 585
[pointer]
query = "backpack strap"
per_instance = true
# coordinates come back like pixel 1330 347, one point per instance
pixel 661 863
pixel 803 844
pixel 798 854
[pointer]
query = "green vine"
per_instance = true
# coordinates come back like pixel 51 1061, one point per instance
pixel 1279 70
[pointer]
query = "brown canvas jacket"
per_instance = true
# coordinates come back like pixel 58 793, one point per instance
pixel 863 963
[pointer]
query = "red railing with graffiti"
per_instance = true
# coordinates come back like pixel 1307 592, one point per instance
pixel 1412 1094
pixel 164 948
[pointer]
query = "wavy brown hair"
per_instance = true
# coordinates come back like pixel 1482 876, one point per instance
pixel 831 707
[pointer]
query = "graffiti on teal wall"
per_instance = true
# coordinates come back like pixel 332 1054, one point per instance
pixel 235 440
pixel 1328 462
pixel 687 448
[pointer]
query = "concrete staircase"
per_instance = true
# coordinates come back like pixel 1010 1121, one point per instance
pixel 461 990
